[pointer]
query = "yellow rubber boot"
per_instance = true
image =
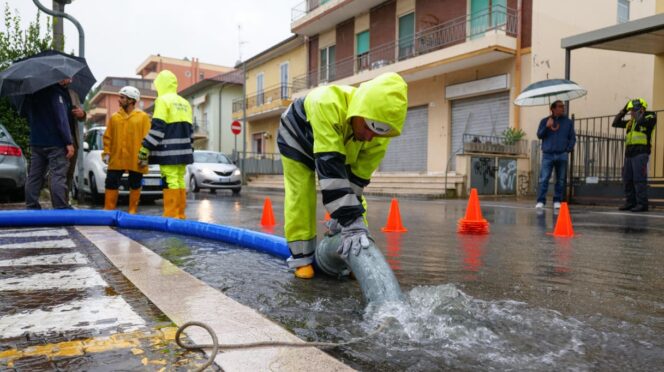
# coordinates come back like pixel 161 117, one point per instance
pixel 110 199
pixel 134 199
pixel 305 272
pixel 182 205
pixel 171 198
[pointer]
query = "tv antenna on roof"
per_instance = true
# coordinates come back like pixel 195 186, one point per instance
pixel 240 42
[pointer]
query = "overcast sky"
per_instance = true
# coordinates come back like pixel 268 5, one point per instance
pixel 120 34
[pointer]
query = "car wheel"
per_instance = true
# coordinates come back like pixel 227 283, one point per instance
pixel 236 191
pixel 193 186
pixel 94 194
pixel 19 194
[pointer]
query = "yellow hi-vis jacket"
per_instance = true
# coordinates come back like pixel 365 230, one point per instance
pixel 122 139
pixel 317 132
pixel 170 137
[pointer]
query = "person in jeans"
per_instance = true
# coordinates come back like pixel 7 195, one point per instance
pixel 51 144
pixel 558 138
pixel 638 137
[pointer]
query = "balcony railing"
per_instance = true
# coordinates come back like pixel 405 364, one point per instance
pixel 281 92
pixel 441 36
pixel 302 9
pixel 475 143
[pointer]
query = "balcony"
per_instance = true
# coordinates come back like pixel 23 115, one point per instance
pixel 311 17
pixel 200 129
pixel 264 104
pixel 477 143
pixel 465 29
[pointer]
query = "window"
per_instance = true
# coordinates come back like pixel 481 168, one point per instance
pixel 260 95
pixel 327 71
pixel 283 71
pixel 486 15
pixel 201 75
pixel 623 11
pixel 258 143
pixel 362 50
pixel 406 36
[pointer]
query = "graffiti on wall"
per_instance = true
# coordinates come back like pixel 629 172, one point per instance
pixel 483 175
pixel 507 176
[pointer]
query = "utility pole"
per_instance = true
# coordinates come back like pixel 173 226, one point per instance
pixel 58 24
pixel 244 103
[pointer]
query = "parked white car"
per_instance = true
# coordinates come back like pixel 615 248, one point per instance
pixel 213 170
pixel 94 170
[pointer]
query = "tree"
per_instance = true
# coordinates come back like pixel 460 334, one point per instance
pixel 16 43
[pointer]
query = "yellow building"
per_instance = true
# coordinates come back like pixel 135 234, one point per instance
pixel 269 89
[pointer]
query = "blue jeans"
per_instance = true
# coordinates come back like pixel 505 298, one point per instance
pixel 635 179
pixel 550 162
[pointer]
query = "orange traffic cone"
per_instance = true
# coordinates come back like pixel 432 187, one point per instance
pixel 394 219
pixel 563 227
pixel 268 215
pixel 473 222
pixel 327 216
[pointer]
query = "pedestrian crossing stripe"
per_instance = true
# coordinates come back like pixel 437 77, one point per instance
pixel 62 243
pixel 88 314
pixel 33 234
pixel 49 259
pixel 81 278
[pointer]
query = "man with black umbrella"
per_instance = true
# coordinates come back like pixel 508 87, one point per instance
pixel 51 143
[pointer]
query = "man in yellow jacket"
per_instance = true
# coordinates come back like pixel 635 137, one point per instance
pixel 341 133
pixel 169 142
pixel 122 140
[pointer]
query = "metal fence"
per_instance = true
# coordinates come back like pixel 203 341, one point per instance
pixel 599 152
pixel 475 143
pixel 280 92
pixel 455 31
pixel 260 163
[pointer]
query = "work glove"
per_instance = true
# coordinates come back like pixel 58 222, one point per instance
pixel 105 158
pixel 624 109
pixel 354 238
pixel 333 227
pixel 143 155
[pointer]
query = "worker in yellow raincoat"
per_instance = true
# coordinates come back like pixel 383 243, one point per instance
pixel 341 133
pixel 169 142
pixel 122 140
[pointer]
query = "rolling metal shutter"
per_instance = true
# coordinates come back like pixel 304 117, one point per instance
pixel 408 152
pixel 486 115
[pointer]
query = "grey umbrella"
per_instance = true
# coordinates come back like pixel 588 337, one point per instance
pixel 28 75
pixel 546 91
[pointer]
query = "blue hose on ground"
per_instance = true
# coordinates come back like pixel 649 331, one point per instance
pixel 270 244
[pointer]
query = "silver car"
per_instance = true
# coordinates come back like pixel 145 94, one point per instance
pixel 213 170
pixel 13 167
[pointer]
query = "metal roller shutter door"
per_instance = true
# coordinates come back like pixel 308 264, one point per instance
pixel 408 152
pixel 486 115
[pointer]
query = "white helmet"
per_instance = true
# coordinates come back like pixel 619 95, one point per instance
pixel 131 92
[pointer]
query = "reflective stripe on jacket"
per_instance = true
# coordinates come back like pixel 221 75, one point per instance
pixel 170 137
pixel 122 139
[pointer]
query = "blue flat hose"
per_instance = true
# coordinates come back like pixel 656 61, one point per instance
pixel 258 241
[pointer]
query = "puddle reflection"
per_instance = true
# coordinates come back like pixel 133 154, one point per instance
pixel 472 247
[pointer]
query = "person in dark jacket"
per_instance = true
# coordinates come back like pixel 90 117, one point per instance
pixel 637 151
pixel 51 144
pixel 558 138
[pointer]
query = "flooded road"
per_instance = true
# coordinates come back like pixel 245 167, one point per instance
pixel 515 299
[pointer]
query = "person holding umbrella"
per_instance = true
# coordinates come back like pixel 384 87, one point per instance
pixel 558 139
pixel 637 151
pixel 556 132
pixel 41 87
pixel 51 143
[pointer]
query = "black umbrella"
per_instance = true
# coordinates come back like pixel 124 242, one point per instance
pixel 30 74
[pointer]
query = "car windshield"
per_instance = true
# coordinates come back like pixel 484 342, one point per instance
pixel 210 157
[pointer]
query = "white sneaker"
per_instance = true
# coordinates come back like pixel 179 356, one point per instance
pixel 556 205
pixel 539 205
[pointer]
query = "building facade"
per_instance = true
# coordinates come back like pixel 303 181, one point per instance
pixel 188 71
pixel 211 100
pixel 465 62
pixel 105 102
